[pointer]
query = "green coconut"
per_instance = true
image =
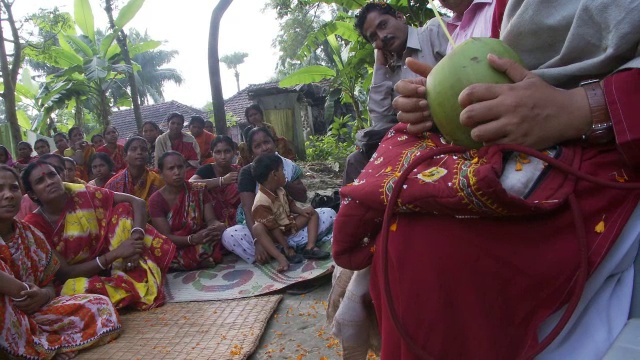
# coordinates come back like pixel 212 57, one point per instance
pixel 467 64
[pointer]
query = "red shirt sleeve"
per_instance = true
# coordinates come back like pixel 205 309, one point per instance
pixel 622 93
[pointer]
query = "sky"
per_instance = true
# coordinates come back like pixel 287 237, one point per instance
pixel 183 25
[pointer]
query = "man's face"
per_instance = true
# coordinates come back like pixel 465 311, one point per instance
pixel 386 32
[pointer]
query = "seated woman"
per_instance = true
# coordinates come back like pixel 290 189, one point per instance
pixel 24 155
pixel 101 167
pixel 221 179
pixel 255 116
pixel 36 323
pixel 184 213
pixel 70 171
pixel 239 238
pixel 58 163
pixel 176 140
pixel 5 156
pixel 97 140
pixel 112 148
pixel 150 132
pixel 136 179
pixel 41 146
pixel 80 151
pixel 103 236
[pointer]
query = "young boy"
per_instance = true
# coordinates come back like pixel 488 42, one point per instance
pixel 278 217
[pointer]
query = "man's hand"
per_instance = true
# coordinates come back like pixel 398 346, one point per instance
pixel 412 104
pixel 381 58
pixel 529 112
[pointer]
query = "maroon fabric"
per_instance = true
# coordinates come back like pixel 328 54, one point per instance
pixel 478 286
pixel 622 91
pixel 498 15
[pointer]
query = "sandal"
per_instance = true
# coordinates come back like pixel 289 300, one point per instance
pixel 293 259
pixel 315 254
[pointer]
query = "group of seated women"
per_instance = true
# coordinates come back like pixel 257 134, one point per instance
pixel 81 251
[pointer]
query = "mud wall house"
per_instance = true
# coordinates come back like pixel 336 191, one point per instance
pixel 295 112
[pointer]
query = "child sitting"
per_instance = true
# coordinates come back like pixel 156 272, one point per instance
pixel 278 217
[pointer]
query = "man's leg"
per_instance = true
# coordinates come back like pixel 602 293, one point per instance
pixel 354 164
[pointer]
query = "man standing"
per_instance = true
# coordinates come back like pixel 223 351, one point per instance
pixel 394 41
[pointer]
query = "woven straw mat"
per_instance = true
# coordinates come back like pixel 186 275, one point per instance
pixel 229 329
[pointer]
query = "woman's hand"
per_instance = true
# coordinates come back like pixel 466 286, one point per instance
pixel 36 298
pixel 129 248
pixel 131 262
pixel 230 178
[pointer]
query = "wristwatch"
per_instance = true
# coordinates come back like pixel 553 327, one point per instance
pixel 601 131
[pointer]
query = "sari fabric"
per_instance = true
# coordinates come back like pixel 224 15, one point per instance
pixel 82 171
pixel 148 184
pixel 187 146
pixel 185 218
pixel 117 156
pixel 93 226
pixel 66 323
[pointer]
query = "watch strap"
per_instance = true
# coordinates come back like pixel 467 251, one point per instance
pixel 601 131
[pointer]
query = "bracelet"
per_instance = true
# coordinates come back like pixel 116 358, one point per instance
pixel 220 181
pixel 137 228
pixel 254 240
pixel 24 297
pixel 99 264
pixel 189 239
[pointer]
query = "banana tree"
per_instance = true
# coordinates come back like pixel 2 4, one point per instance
pixel 89 68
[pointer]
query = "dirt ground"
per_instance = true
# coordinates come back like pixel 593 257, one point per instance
pixel 298 328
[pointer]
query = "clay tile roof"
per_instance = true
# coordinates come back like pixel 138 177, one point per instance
pixel 125 122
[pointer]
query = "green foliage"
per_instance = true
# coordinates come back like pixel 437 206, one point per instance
pixel 233 60
pixel 336 145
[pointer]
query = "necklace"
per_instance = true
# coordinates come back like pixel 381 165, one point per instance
pixel 53 223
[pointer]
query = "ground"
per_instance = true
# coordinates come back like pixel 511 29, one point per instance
pixel 298 328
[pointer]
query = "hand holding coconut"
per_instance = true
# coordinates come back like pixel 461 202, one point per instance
pixel 529 112
pixel 498 101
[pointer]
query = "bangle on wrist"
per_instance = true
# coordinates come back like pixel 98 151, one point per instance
pixel 220 181
pixel 100 264
pixel 24 297
pixel 189 239
pixel 137 229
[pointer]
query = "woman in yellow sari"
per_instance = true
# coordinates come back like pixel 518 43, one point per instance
pixel 103 236
pixel 136 179
pixel 34 322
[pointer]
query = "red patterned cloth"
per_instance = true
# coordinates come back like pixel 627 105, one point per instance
pixel 117 156
pixel 473 270
pixel 93 225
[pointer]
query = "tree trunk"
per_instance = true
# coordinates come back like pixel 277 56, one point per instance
pixel 238 80
pixel 217 99
pixel 10 75
pixel 121 39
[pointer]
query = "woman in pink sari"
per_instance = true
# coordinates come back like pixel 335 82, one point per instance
pixel 113 149
pixel 221 178
pixel 184 213
pixel 37 324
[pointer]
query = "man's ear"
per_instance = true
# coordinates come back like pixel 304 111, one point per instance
pixel 400 16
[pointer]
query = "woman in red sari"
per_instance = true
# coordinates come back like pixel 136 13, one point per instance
pixel 176 140
pixel 37 324
pixel 113 149
pixel 24 155
pixel 183 212
pixel 136 179
pixel 104 238
pixel 221 178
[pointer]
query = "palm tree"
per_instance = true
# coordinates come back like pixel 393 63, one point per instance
pixel 232 61
pixel 152 76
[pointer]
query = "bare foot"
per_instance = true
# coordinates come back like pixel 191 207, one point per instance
pixel 66 356
pixel 283 264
